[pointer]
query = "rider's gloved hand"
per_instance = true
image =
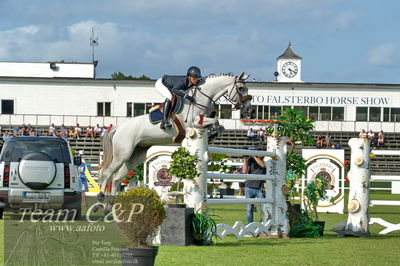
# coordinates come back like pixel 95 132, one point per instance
pixel 190 98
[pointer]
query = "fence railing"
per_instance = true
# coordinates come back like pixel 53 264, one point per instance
pixel 85 120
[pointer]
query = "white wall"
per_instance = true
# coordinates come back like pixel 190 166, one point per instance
pixel 65 70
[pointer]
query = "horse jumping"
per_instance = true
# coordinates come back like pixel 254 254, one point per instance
pixel 126 145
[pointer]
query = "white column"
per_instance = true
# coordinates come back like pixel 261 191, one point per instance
pixel 277 166
pixel 359 175
pixel 196 142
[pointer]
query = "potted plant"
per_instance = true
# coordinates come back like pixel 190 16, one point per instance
pixel 139 212
pixel 315 191
pixel 204 228
pixel 183 167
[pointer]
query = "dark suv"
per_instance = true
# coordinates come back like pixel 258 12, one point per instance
pixel 39 173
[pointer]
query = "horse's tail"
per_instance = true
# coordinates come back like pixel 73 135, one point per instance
pixel 107 149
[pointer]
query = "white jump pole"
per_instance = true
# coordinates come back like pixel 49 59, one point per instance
pixel 359 176
pixel 196 142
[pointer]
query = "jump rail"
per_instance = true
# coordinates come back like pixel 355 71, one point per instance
pixel 274 221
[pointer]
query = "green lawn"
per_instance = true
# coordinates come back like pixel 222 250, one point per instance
pixel 327 250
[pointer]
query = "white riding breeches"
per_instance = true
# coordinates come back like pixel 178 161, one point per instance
pixel 164 91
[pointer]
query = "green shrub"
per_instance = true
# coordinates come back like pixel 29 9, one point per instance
pixel 139 214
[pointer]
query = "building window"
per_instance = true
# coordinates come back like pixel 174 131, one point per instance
pixel 129 111
pixel 225 111
pixel 7 107
pixel 138 109
pixel 386 114
pixel 266 111
pixel 362 114
pixel 313 112
pixel 275 112
pixel 374 114
pixel 260 112
pixel 325 113
pixel 395 114
pixel 104 109
pixel 337 113
pixel 304 110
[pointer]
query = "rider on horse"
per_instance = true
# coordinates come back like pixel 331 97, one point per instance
pixel 176 84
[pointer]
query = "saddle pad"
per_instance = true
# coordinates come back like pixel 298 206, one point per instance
pixel 156 114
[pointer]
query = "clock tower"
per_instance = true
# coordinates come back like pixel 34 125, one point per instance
pixel 288 66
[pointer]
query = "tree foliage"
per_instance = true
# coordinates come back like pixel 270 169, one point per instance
pixel 120 75
pixel 183 164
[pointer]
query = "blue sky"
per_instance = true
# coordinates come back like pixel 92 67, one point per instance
pixel 340 41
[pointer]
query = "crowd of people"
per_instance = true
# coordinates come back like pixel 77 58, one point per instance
pixel 326 141
pixel 71 132
pixel 259 135
pixel 376 140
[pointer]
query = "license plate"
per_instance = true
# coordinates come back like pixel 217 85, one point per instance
pixel 37 196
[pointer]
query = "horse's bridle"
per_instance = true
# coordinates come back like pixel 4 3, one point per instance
pixel 237 106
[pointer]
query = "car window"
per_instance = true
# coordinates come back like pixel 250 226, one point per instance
pixel 14 151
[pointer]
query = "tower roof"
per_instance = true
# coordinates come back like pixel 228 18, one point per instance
pixel 289 54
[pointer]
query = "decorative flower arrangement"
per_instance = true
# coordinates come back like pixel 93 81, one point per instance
pixel 253 121
pixel 346 166
pixel 136 174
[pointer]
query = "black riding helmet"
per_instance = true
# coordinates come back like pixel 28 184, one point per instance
pixel 194 72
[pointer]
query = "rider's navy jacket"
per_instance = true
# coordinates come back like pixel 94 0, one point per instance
pixel 176 84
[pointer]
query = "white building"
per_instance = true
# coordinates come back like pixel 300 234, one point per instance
pixel 40 97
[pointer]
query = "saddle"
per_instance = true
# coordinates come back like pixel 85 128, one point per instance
pixel 156 116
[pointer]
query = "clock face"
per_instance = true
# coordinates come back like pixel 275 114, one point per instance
pixel 290 69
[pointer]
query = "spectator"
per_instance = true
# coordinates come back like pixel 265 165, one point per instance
pixel 362 134
pixel 22 130
pixel 328 140
pixel 29 130
pixel 77 132
pixel 338 146
pixel 83 181
pixel 70 132
pixel 6 136
pixel 250 134
pixel 320 142
pixel 63 131
pixel 372 139
pixel 109 127
pixel 89 132
pixel 52 130
pixel 253 188
pixel 381 139
pixel 261 134
pixel 97 130
pixel 104 131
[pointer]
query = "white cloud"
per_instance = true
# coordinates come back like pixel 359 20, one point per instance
pixel 386 54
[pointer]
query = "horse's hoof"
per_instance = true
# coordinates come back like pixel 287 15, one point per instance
pixel 107 209
pixel 97 207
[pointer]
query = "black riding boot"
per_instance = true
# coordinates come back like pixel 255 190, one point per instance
pixel 165 122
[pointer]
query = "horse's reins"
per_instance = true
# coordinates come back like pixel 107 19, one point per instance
pixel 237 106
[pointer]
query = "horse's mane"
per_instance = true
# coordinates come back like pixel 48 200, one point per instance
pixel 219 75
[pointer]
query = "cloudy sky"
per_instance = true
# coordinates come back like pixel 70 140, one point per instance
pixel 339 40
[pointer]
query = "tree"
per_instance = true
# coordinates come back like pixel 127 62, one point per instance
pixel 120 75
